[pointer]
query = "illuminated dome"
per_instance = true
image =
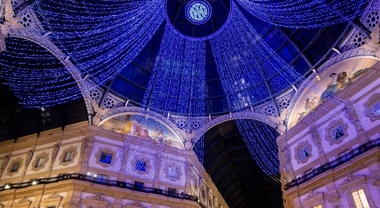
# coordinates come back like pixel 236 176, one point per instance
pixel 181 59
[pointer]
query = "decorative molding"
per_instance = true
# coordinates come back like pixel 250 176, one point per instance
pixel 376 183
pixel 352 178
pixel 284 158
pixel 135 204
pixel 4 162
pixel 86 148
pixel 52 196
pixel 97 197
pixel 353 182
pixel 172 168
pixel 95 201
pixel 334 125
pixel 105 150
pixel 148 165
pixel 18 160
pixel 69 149
pixel 35 161
pixel 352 115
pixel 29 155
pixel 70 205
pixel 369 112
pixel 194 183
pixel 303 152
pixel 316 139
pixel 334 199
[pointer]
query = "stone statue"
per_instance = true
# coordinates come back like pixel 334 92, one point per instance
pixel 316 138
pixel 55 152
pixel 5 162
pixel 99 112
pixel 373 42
pixel 10 23
pixel 280 121
pixel 352 115
pixel 29 156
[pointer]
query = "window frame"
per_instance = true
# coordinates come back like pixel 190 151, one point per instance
pixel 361 201
pixel 19 161
pixel 63 157
pixel 13 169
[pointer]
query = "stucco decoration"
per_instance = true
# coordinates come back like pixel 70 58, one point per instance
pixel 106 150
pixel 96 201
pixel 284 158
pixel 316 139
pixel 72 149
pixel 352 115
pixel 137 161
pixel 303 152
pixel 372 107
pixel 18 161
pixel 45 156
pixel 336 132
pixel 173 172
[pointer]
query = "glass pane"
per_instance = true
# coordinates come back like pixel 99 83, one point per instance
pixel 360 199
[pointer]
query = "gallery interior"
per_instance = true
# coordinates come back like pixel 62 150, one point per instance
pixel 189 103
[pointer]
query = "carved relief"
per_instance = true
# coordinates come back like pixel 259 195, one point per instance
pixel 23 202
pixel 55 152
pixel 376 183
pixel 317 139
pixel 96 201
pixel 194 184
pixel 371 109
pixel 336 132
pixel 141 165
pixel 173 172
pixel 87 144
pixel 4 163
pixel 352 115
pixel 29 156
pixel 334 199
pixel 70 205
pixel 284 157
pixel 63 159
pixel 303 152
pixel 135 204
pixel 37 164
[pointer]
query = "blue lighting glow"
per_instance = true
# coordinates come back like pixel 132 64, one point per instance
pixel 249 69
pixel 304 13
pixel 102 41
pixel 261 142
pixel 198 12
pixel 177 82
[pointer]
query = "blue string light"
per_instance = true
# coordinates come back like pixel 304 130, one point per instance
pixel 102 37
pixel 304 13
pixel 261 142
pixel 36 77
pixel 177 82
pixel 249 69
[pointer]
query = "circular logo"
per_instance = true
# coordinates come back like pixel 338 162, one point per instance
pixel 198 12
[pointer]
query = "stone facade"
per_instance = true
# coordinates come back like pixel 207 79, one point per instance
pixel 83 166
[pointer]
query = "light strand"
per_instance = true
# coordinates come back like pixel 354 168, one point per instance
pixel 304 13
pixel 249 69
